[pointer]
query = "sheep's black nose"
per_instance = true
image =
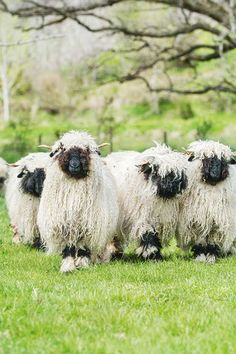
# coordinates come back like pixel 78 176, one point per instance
pixel 74 162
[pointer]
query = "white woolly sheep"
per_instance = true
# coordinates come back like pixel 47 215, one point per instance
pixel 207 222
pixel 23 190
pixel 78 211
pixel 3 172
pixel 148 188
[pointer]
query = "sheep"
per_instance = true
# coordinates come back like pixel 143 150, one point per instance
pixel 23 190
pixel 149 185
pixel 3 172
pixel 78 211
pixel 207 223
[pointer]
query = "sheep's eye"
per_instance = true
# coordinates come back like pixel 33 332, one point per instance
pixel 191 157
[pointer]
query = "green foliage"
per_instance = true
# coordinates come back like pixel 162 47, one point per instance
pixel 203 128
pixel 20 139
pixel 186 111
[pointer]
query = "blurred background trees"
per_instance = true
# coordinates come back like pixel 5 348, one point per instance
pixel 127 71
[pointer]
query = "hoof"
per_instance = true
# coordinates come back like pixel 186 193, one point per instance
pixel 149 253
pixel 68 265
pixel 210 258
pixel 16 239
pixel 201 258
pixel 82 262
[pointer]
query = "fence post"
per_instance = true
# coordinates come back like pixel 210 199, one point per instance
pixel 165 137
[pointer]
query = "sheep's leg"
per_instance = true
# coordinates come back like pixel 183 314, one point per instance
pixel 150 246
pixel 16 237
pixel 213 252
pixel 83 257
pixel 199 252
pixel 38 244
pixel 113 251
pixel 68 262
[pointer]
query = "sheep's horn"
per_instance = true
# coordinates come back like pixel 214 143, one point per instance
pixel 104 144
pixel 149 159
pixel 234 153
pixel 12 165
pixel 186 152
pixel 45 146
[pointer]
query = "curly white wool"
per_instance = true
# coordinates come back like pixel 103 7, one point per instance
pixel 22 207
pixel 81 212
pixel 141 210
pixel 207 213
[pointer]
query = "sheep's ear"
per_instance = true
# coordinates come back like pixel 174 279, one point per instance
pixel 190 155
pixel 52 153
pixel 232 161
pixel 145 165
pixel 21 174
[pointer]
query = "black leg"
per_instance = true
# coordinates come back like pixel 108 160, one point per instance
pixel 199 249
pixel 150 246
pixel 83 252
pixel 213 250
pixel 118 252
pixel 68 262
pixel 38 244
pixel 69 251
pixel 83 257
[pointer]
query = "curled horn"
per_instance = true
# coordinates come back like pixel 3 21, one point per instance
pixel 12 165
pixel 189 153
pixel 234 153
pixel 104 144
pixel 147 160
pixel 45 146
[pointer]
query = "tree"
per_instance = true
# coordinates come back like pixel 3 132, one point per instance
pixel 166 43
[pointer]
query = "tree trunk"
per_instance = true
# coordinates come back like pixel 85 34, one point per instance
pixel 5 86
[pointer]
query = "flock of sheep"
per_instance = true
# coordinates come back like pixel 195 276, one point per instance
pixel 88 208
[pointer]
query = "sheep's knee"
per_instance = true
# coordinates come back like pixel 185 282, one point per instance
pixel 83 258
pixel 150 246
pixel 68 262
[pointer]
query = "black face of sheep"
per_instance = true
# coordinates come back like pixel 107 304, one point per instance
pixel 32 182
pixel 75 162
pixel 214 170
pixel 168 186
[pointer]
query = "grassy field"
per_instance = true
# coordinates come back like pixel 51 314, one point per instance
pixel 176 306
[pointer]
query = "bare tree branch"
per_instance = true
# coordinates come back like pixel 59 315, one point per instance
pixel 30 41
pixel 181 41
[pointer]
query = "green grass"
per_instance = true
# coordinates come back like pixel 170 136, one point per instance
pixel 176 306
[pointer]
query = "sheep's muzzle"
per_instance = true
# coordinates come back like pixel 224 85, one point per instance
pixel 170 185
pixel 214 170
pixel 32 182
